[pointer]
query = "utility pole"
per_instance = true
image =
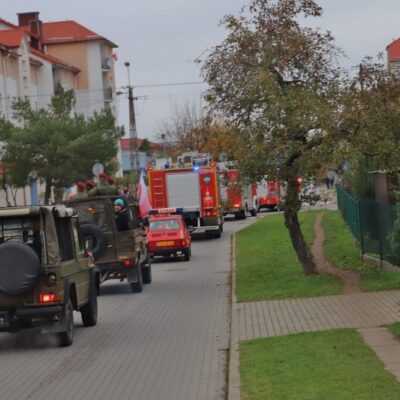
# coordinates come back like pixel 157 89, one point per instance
pixel 135 165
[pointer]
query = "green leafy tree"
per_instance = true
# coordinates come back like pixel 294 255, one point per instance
pixel 145 147
pixel 370 117
pixel 278 82
pixel 56 146
pixel 5 132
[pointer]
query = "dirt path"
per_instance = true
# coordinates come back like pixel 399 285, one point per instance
pixel 348 279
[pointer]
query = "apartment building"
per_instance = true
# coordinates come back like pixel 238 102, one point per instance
pixel 38 59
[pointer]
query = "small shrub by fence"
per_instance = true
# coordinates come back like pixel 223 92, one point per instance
pixel 375 226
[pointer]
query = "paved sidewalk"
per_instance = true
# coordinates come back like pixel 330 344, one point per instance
pixel 284 317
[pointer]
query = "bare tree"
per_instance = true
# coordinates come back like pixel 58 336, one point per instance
pixel 179 129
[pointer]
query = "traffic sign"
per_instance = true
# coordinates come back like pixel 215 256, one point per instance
pixel 97 169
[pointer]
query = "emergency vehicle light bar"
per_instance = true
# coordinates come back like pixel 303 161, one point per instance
pixel 171 210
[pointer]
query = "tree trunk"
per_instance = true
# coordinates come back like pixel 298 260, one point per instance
pixel 47 193
pixel 296 235
pixel 5 184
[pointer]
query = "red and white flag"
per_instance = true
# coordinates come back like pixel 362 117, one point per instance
pixel 143 196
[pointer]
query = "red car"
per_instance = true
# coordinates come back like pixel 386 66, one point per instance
pixel 168 236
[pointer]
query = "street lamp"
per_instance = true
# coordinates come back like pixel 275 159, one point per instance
pixel 127 65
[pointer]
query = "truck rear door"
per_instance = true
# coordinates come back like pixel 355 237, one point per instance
pixel 183 190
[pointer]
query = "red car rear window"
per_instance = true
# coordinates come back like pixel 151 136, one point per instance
pixel 164 224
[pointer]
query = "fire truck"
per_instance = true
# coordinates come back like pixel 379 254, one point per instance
pixel 194 188
pixel 237 198
pixel 269 194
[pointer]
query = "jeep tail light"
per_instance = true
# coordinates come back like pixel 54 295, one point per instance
pixel 49 297
pixel 237 205
pixel 184 243
pixel 128 262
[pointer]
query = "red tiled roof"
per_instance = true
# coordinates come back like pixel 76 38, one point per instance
pixel 54 60
pixel 12 38
pixel 69 31
pixel 393 50
pixel 126 144
pixel 4 22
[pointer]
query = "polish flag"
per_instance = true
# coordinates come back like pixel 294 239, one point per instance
pixel 143 196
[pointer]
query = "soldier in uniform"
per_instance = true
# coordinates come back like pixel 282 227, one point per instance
pixel 80 191
pixel 111 185
pixel 89 185
pixel 103 188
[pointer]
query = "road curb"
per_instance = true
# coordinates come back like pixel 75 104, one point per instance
pixel 233 375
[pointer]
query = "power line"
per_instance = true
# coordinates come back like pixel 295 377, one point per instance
pixel 170 84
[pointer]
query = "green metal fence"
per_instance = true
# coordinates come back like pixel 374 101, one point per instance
pixel 375 226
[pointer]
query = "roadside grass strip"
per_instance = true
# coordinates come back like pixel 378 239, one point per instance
pixel 267 266
pixel 329 365
pixel 342 251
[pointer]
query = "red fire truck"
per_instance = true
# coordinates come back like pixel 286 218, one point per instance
pixel 195 190
pixel 269 194
pixel 236 198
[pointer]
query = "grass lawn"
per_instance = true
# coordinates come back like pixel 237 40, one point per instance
pixel 342 252
pixel 267 266
pixel 395 329
pixel 330 365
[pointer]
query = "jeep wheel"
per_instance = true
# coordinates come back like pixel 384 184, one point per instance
pixel 146 274
pixel 253 212
pixel 146 270
pixel 137 287
pixel 89 310
pixel 67 337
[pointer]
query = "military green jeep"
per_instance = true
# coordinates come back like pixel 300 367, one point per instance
pixel 45 272
pixel 118 253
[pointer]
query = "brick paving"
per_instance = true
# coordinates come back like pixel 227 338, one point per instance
pixel 284 317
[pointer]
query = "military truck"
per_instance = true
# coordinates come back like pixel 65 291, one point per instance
pixel 118 254
pixel 45 272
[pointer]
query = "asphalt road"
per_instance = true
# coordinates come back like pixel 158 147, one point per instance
pixel 169 342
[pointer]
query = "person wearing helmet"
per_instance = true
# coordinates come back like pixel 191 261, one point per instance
pixel 121 215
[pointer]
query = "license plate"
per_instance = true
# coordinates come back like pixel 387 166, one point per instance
pixel 167 243
pixel 4 320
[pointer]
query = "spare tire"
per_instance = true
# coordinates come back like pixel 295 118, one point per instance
pixel 19 268
pixel 97 237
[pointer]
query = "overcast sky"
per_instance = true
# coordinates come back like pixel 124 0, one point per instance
pixel 161 38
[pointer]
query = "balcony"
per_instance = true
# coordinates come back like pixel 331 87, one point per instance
pixel 107 64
